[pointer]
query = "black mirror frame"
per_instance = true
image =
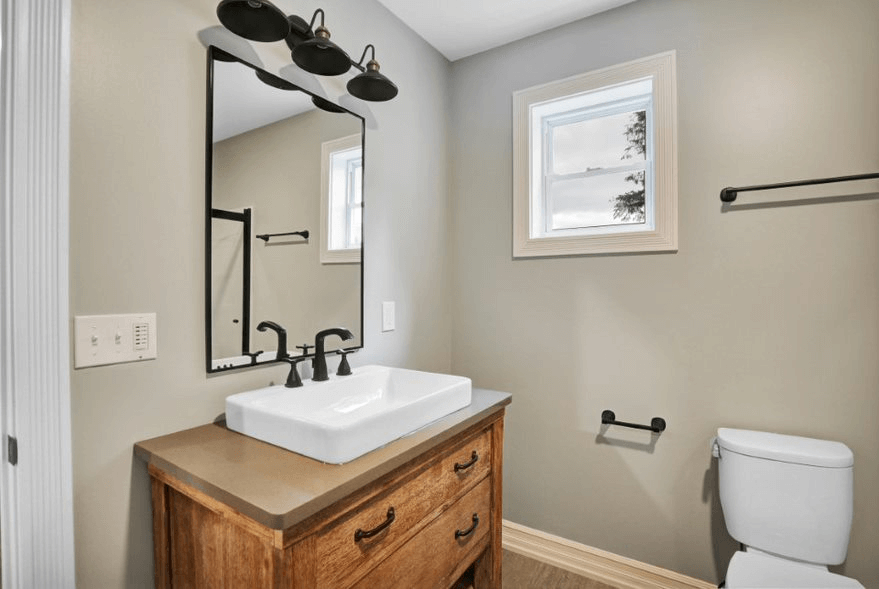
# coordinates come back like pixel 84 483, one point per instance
pixel 214 54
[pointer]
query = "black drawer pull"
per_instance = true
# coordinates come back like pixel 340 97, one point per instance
pixel 361 534
pixel 473 458
pixel 468 531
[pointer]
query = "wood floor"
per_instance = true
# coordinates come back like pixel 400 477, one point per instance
pixel 521 572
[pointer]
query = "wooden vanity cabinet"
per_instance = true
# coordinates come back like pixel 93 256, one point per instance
pixel 422 525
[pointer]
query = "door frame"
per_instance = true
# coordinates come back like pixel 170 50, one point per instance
pixel 36 494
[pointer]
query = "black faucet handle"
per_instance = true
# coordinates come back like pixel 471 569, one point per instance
pixel 293 379
pixel 253 356
pixel 304 348
pixel 344 367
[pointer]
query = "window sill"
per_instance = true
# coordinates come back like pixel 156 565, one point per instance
pixel 617 243
pixel 340 256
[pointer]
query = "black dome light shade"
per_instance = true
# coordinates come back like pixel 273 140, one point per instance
pixel 324 104
pixel 320 55
pixel 221 55
pixel 275 81
pixel 257 20
pixel 371 85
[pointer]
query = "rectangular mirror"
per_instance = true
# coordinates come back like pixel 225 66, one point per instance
pixel 283 216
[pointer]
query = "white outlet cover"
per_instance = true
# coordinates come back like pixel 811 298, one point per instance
pixel 389 322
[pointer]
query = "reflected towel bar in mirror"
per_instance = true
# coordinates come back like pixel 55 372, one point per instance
pixel 266 236
pixel 657 424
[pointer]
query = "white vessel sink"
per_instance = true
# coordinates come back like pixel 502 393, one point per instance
pixel 347 416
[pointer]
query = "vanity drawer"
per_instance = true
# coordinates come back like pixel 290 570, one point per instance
pixel 453 540
pixel 389 519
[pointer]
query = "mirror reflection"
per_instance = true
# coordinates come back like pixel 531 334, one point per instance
pixel 284 227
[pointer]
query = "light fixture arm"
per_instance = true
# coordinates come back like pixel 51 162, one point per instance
pixel 359 64
pixel 314 18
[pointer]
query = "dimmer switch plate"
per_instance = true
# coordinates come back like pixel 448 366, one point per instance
pixel 110 339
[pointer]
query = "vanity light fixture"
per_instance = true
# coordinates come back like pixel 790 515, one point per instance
pixel 281 84
pixel 319 55
pixel 276 82
pixel 257 20
pixel 371 84
pixel 324 104
pixel 221 55
pixel 311 49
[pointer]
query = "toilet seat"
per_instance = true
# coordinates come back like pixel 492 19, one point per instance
pixel 759 571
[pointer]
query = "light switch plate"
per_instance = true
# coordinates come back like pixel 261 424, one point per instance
pixel 389 322
pixel 110 339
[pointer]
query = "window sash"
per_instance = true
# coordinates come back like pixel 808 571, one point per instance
pixel 542 206
pixel 341 162
pixel 353 204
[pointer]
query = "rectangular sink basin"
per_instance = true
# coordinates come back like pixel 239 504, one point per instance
pixel 345 417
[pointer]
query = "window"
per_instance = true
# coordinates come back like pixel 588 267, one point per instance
pixel 342 201
pixel 595 163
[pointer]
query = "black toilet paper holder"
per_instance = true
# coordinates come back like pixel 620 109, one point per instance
pixel 657 424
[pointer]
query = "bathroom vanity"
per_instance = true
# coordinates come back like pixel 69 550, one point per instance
pixel 423 511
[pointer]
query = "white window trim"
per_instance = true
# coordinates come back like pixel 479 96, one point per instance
pixel 327 255
pixel 664 235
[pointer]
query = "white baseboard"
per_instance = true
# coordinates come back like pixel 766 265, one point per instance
pixel 600 565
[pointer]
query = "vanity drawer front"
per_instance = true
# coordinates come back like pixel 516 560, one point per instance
pixel 340 555
pixel 462 467
pixel 453 541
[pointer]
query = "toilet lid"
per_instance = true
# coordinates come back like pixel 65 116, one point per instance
pixel 759 571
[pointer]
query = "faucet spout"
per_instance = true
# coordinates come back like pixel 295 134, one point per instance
pixel 282 337
pixel 320 357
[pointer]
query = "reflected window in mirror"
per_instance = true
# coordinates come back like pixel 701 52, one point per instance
pixel 342 200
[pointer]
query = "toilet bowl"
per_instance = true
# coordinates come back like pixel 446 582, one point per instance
pixel 788 501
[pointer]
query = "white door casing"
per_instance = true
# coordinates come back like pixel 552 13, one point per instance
pixel 36 497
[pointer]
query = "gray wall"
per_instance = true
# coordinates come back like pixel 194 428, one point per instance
pixel 137 245
pixel 276 171
pixel 765 318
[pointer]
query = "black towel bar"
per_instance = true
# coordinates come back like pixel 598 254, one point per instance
pixel 266 236
pixel 729 193
pixel 657 424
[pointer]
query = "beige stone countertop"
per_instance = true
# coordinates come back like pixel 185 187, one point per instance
pixel 279 488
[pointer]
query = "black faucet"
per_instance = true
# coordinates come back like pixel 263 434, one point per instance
pixel 320 357
pixel 282 337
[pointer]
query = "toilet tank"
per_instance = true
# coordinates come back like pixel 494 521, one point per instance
pixel 786 495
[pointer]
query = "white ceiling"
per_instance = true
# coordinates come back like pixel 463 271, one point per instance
pixel 459 28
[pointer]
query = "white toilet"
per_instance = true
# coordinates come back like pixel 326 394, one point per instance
pixel 788 500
